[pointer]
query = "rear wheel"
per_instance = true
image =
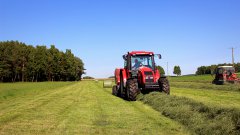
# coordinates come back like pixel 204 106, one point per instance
pixel 121 87
pixel 115 90
pixel 132 90
pixel 214 81
pixel 164 85
pixel 220 82
pixel 217 82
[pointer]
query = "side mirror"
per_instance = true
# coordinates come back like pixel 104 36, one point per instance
pixel 124 57
pixel 159 56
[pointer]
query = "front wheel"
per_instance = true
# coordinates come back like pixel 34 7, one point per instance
pixel 164 85
pixel 132 90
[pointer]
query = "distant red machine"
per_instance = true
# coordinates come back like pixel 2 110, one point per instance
pixel 225 74
pixel 138 75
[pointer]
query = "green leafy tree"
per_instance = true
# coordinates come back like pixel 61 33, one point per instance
pixel 111 77
pixel 177 70
pixel 12 51
pixel 5 62
pixel 79 68
pixel 161 70
pixel 23 59
pixel 88 77
pixel 53 67
pixel 212 69
pixel 70 69
pixel 41 63
pixel 21 62
pixel 31 64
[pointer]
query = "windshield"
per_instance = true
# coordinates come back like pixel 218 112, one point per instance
pixel 226 69
pixel 141 60
pixel 230 69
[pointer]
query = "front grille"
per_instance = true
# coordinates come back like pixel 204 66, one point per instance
pixel 148 73
pixel 149 80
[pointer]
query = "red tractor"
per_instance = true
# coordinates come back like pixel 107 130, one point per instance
pixel 225 74
pixel 139 75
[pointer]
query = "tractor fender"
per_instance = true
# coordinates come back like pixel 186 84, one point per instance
pixel 117 76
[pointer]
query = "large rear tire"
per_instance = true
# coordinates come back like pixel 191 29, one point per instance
pixel 217 82
pixel 164 85
pixel 122 92
pixel 132 90
pixel 115 90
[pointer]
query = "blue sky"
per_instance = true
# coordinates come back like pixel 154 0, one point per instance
pixel 188 33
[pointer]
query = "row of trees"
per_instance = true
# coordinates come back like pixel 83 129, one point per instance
pixel 88 77
pixel 211 69
pixel 177 70
pixel 21 62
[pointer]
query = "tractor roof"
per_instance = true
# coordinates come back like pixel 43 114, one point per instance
pixel 140 53
pixel 225 66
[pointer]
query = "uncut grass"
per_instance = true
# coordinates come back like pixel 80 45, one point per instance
pixel 192 78
pixel 226 99
pixel 209 86
pixel 196 116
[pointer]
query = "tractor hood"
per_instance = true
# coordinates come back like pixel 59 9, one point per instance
pixel 148 74
pixel 143 68
pixel 146 71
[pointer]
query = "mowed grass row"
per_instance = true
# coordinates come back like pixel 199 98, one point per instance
pixel 204 108
pixel 201 118
pixel 224 99
pixel 227 95
pixel 76 108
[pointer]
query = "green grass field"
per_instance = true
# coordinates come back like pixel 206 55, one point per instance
pixel 201 89
pixel 76 108
pixel 195 106
pixel 193 78
pixel 222 98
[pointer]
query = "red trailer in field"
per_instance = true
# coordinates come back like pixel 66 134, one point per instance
pixel 225 74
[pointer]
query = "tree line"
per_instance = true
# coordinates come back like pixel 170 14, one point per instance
pixel 212 68
pixel 176 70
pixel 21 62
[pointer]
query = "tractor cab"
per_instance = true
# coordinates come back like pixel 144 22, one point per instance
pixel 225 70
pixel 136 61
pixel 225 74
pixel 139 74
